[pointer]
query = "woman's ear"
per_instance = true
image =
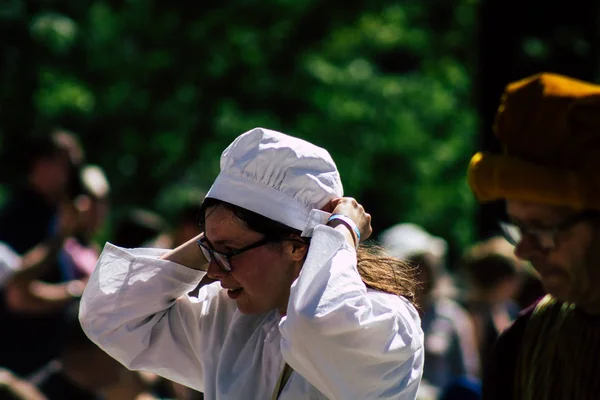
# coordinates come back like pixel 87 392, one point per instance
pixel 296 249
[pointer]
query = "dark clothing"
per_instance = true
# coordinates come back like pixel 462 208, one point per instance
pixel 530 291
pixel 484 312
pixel 499 372
pixel 26 220
pixel 27 342
pixel 58 387
pixel 462 389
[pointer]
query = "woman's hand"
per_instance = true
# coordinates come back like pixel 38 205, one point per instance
pixel 350 208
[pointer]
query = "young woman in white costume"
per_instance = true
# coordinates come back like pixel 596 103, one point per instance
pixel 296 311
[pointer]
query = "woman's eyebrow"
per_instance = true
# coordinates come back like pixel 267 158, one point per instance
pixel 221 242
pixel 208 242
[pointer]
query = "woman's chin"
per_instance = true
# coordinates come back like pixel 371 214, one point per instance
pixel 244 306
pixel 247 307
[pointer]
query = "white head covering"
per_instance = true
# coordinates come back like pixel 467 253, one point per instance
pixel 406 240
pixel 94 181
pixel 278 176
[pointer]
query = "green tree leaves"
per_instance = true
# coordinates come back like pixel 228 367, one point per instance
pixel 157 91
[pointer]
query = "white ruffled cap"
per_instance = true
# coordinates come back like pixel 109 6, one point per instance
pixel 278 176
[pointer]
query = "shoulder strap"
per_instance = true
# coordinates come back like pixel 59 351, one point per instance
pixel 282 381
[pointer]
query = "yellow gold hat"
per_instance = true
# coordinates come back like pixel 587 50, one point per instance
pixel 549 128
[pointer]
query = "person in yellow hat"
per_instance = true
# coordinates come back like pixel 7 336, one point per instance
pixel 549 177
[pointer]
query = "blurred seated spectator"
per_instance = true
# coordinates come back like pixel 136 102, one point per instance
pixel 493 276
pixel 34 298
pixel 450 350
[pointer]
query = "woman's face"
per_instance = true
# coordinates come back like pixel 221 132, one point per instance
pixel 260 279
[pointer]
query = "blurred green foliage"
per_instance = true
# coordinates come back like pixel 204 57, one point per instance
pixel 157 90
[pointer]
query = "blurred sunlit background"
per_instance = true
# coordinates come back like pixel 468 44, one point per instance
pixel 400 92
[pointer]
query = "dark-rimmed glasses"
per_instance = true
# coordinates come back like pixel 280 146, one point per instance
pixel 545 238
pixel 223 260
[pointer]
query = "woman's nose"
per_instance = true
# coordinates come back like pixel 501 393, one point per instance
pixel 214 271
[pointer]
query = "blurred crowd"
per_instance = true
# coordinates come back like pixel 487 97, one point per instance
pixel 462 314
pixel 47 253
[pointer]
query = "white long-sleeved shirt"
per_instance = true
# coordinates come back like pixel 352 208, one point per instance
pixel 342 340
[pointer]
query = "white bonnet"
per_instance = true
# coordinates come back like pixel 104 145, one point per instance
pixel 278 176
pixel 406 240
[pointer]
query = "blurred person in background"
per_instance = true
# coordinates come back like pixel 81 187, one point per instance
pixel 29 216
pixel 35 214
pixel 493 275
pixel 31 305
pixel 34 299
pixel 549 128
pixel 79 254
pixel 450 350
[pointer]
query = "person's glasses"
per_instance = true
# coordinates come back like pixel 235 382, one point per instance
pixel 223 260
pixel 545 238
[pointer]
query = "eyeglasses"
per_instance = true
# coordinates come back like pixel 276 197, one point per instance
pixel 545 238
pixel 223 260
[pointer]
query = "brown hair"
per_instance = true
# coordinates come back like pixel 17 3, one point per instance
pixel 385 273
pixel 378 270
